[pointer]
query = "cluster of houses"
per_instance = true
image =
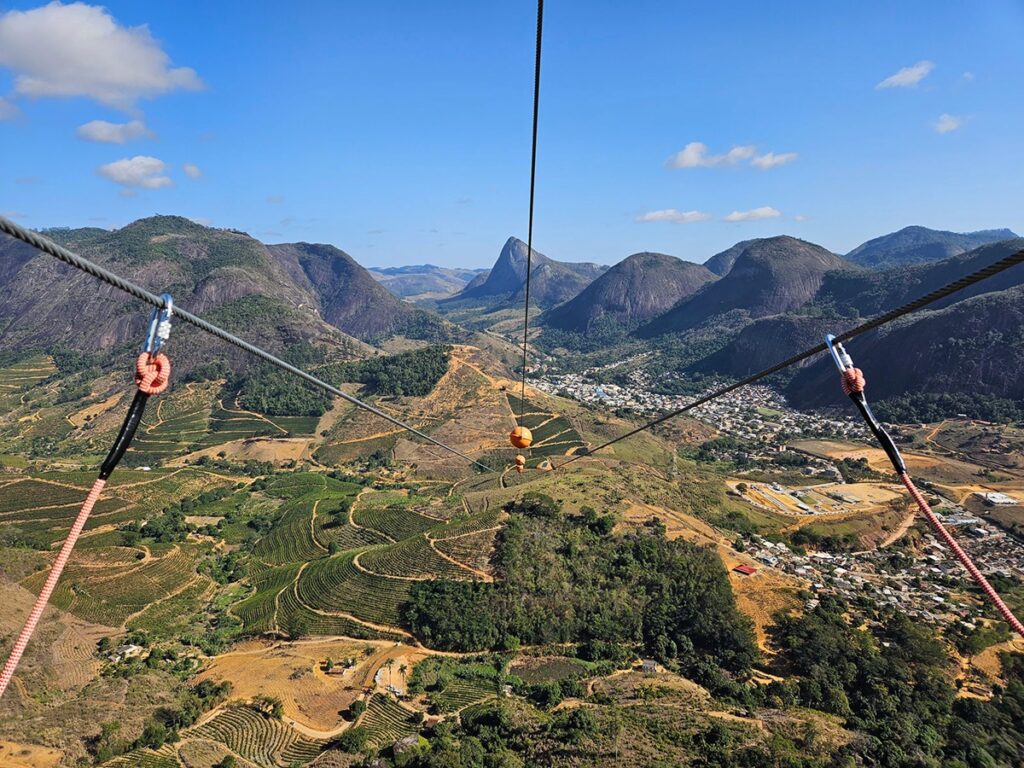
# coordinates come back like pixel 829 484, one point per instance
pixel 753 413
pixel 928 587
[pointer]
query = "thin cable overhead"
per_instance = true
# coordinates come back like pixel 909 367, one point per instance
pixel 930 298
pixel 51 248
pixel 533 185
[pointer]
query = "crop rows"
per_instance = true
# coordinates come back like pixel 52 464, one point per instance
pixel 394 522
pixel 165 757
pixel 411 558
pixel 257 610
pixel 471 524
pixel 291 539
pixel 299 621
pixel 461 692
pixel 335 584
pixel 27 372
pixel 295 484
pixel 110 595
pixel 265 741
pixel 31 494
pixel 296 425
pixel 386 721
pixel 169 617
pixel 333 525
pixel 473 549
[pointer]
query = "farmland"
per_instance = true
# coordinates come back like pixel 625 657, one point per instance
pixel 257 737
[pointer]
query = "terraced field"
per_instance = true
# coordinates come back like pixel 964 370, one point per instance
pixel 291 539
pixel 473 549
pixel 266 741
pixel 27 373
pixel 553 434
pixel 165 757
pixel 170 618
pixel 257 610
pixel 413 559
pixel 109 596
pixel 298 620
pixel 389 514
pixel 335 584
pixel 461 692
pixel 386 721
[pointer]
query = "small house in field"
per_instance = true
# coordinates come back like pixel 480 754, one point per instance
pixel 745 570
pixel 649 666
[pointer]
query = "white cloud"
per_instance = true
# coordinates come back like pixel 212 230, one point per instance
pixel 113 133
pixel 947 123
pixel 192 170
pixel 695 155
pixel 908 76
pixel 7 110
pixel 765 212
pixel 138 171
pixel 81 50
pixel 671 214
pixel 772 160
pixel 799 217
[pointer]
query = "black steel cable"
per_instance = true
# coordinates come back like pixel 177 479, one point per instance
pixel 533 185
pixel 929 298
pixel 51 248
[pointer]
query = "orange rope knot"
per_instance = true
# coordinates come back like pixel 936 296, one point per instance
pixel 853 381
pixel 152 373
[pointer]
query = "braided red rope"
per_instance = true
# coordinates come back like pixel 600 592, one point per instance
pixel 51 582
pixel 152 375
pixel 962 556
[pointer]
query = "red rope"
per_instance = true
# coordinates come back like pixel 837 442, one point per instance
pixel 152 373
pixel 51 582
pixel 962 556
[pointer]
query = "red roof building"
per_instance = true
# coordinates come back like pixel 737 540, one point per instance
pixel 746 570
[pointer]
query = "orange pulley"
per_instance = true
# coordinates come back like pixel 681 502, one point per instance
pixel 521 437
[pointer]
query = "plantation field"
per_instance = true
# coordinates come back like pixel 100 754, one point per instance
pixel 171 618
pixel 543 669
pixel 296 619
pixel 110 595
pixel 388 514
pixel 472 549
pixel 412 558
pixel 27 373
pixel 553 434
pixel 267 742
pixel 386 720
pixel 335 584
pixel 165 757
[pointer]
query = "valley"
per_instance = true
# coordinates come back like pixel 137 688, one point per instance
pixel 281 580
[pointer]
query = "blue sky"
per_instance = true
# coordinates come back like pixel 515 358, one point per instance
pixel 400 131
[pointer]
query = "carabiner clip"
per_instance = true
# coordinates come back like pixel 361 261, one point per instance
pixel 159 326
pixel 840 356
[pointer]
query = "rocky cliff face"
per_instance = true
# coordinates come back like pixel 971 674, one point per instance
pixel 552 282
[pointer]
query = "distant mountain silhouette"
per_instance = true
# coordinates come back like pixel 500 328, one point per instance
pixel 423 281
pixel 552 282
pixel 918 245
pixel 632 292
pixel 769 277
pixel 722 262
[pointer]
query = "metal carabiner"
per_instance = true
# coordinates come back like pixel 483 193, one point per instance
pixel 840 356
pixel 159 325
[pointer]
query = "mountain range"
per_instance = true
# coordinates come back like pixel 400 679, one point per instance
pixel 918 245
pixel 273 294
pixel 423 281
pixel 759 301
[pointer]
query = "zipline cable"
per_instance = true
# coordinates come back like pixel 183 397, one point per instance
pixel 533 186
pixel 51 248
pixel 152 375
pixel 966 281
pixel 853 384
